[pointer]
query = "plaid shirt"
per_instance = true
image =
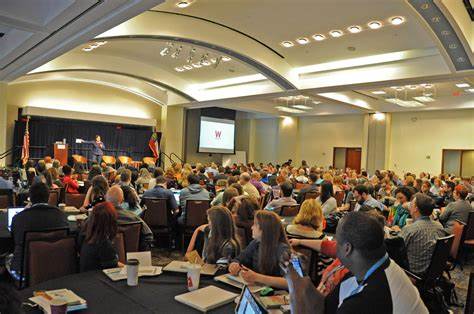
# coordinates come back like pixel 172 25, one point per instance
pixel 420 240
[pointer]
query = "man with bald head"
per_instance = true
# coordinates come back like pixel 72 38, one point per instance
pixel 249 187
pixel 115 196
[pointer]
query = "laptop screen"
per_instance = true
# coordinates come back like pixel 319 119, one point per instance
pixel 248 304
pixel 176 194
pixel 11 213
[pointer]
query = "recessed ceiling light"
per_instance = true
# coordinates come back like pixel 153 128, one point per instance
pixel 197 65
pixel 375 25
pixel 470 90
pixel 424 98
pixel 226 58
pixel 397 20
pixel 206 63
pixel 379 92
pixel 178 69
pixel 463 85
pixel 398 88
pixel 87 49
pixel 411 86
pixel 302 41
pixel 336 33
pixel 287 44
pixel 183 4
pixel 354 29
pixel 303 107
pixel 101 43
pixel 288 109
pixel 187 67
pixel 379 116
pixel 319 37
pixel 426 85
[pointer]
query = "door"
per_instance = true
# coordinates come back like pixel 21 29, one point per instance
pixel 353 158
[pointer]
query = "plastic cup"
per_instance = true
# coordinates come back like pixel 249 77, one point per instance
pixel 193 276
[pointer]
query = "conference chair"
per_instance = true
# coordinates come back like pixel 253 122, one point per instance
pixel 7 198
pixel 131 235
pixel 41 252
pixel 149 161
pixel 195 216
pixel 289 210
pixel 458 232
pixel 311 195
pixel 109 160
pixel 469 308
pixel 79 159
pixel 265 199
pixel 75 200
pixel 157 217
pixel 339 196
pixel 53 199
pixel 31 235
pixel 119 246
pixel 125 160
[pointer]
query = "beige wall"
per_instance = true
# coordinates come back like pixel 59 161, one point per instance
pixel 3 121
pixel 417 138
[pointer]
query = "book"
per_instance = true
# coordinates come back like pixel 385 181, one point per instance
pixel 120 273
pixel 238 282
pixel 182 267
pixel 73 301
pixel 207 298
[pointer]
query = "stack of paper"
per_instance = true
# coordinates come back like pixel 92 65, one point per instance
pixel 73 301
pixel 144 269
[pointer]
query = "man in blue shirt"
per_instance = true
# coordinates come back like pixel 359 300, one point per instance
pixel 6 184
pixel 97 149
pixel 363 197
pixel 160 191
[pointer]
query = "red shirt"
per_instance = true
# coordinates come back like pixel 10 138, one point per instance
pixel 71 185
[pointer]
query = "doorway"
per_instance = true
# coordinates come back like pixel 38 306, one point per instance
pixel 459 162
pixel 347 157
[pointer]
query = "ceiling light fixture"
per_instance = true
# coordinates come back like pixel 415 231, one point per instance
pixel 405 103
pixel 287 44
pixel 379 116
pixel 226 58
pixel 412 86
pixel 426 85
pixel 398 88
pixel 165 51
pixel 319 37
pixel 183 4
pixel 470 90
pixel 303 107
pixel 178 69
pixel 354 29
pixel 197 65
pixel 397 20
pixel 379 92
pixel 424 98
pixel 463 85
pixel 187 67
pixel 87 49
pixel 375 25
pixel 302 41
pixel 288 109
pixel 336 33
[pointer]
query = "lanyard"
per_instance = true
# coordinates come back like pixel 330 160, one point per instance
pixel 369 273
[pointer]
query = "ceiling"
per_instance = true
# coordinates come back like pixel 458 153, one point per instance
pixel 182 51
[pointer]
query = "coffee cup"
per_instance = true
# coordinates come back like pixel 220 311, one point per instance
pixel 193 276
pixel 132 272
pixel 58 306
pixel 62 206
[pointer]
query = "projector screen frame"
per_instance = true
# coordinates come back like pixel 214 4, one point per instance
pixel 210 150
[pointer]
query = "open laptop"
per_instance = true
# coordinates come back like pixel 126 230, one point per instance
pixel 11 213
pixel 176 194
pixel 248 304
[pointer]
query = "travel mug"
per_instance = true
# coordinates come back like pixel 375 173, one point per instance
pixel 132 272
pixel 193 276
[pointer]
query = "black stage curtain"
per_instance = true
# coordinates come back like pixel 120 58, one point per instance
pixel 119 139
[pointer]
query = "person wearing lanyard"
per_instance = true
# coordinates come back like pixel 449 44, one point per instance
pixel 375 284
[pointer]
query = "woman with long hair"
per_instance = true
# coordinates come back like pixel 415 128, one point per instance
pixel 220 243
pixel 130 200
pixel 96 192
pixel 327 200
pixel 244 211
pixel 309 221
pixel 97 251
pixel 260 261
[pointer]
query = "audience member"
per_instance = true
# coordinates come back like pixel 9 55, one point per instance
pixel 244 212
pixel 55 176
pixel 301 178
pixel 192 192
pixel 363 197
pixel 220 186
pixel 286 199
pixel 96 192
pixel 94 171
pixel 399 212
pixel 327 200
pixel 69 180
pixel 457 210
pixel 309 221
pixel 255 180
pixel 260 261
pixel 160 191
pixel 313 187
pixel 130 200
pixel 249 187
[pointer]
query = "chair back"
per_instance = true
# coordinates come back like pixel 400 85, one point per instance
pixel 109 160
pixel 6 198
pixel 458 230
pixel 149 160
pixel 156 214
pixel 131 235
pixel 241 236
pixel 289 210
pixel 438 261
pixel 125 160
pixel 265 199
pixel 196 213
pixel 80 159
pixel 40 253
pixel 309 262
pixel 53 199
pixel 311 195
pixel 300 186
pixel 352 205
pixel 75 200
pixel 469 308
pixel 469 233
pixel 339 196
pixel 119 245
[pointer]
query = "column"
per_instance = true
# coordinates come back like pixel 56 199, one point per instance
pixel 3 120
pixel 172 126
pixel 287 140
pixel 378 150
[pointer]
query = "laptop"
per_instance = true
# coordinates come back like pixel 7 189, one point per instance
pixel 11 213
pixel 176 194
pixel 248 304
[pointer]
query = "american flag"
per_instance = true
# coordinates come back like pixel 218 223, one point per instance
pixel 25 151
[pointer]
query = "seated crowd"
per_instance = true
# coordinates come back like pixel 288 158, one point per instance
pixel 362 269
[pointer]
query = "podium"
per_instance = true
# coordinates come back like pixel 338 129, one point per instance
pixel 60 153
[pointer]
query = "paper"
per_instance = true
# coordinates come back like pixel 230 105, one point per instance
pixel 120 273
pixel 144 258
pixel 61 146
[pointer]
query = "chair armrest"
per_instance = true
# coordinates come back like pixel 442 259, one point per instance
pixel 413 278
pixel 462 223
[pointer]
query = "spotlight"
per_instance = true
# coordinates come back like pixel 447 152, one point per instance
pixel 302 41
pixel 336 33
pixel 319 37
pixel 375 25
pixel 287 44
pixel 165 51
pixel 183 4
pixel 397 20
pixel 354 29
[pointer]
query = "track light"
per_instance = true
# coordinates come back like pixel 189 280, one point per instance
pixel 397 20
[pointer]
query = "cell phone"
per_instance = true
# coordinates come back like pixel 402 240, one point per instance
pixel 295 261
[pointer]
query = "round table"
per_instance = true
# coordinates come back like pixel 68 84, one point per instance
pixel 153 294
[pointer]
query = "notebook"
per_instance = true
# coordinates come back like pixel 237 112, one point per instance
pixel 182 267
pixel 74 301
pixel 120 273
pixel 238 282
pixel 207 298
